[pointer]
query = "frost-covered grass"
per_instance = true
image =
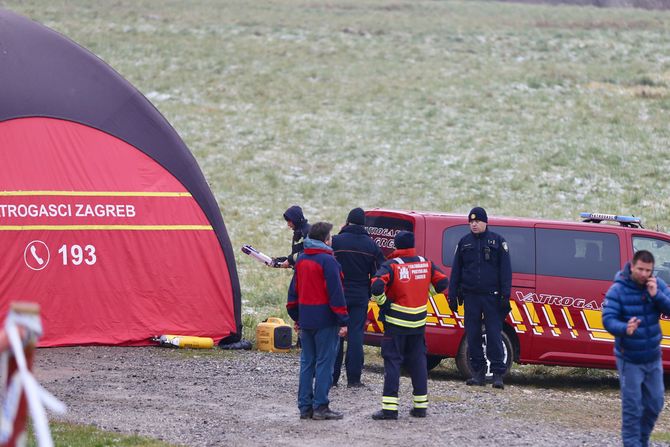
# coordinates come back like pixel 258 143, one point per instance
pixel 73 435
pixel 438 105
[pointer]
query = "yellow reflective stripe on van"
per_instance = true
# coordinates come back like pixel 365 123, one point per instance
pixel 405 323
pixel 409 310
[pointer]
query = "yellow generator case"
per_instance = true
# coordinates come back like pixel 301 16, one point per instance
pixel 273 335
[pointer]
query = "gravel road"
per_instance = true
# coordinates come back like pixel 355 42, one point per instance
pixel 214 397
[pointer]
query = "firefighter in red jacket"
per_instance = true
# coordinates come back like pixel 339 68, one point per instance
pixel 401 288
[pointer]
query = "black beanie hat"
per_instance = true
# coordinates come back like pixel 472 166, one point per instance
pixel 356 216
pixel 404 239
pixel 478 213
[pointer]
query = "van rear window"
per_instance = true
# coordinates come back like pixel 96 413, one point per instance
pixel 577 254
pixel 383 229
pixel 520 240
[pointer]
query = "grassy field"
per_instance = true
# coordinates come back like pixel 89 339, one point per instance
pixel 437 105
pixel 72 435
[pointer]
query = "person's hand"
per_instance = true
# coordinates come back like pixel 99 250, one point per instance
pixel 280 262
pixel 343 331
pixel 453 304
pixel 633 323
pixel 505 306
pixel 296 327
pixel 652 286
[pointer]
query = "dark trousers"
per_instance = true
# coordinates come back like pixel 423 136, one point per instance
pixel 316 366
pixel 354 359
pixel 408 351
pixel 486 309
pixel 642 393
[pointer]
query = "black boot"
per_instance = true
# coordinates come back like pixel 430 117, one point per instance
pixel 323 413
pixel 477 379
pixel 418 412
pixel 498 381
pixel 385 414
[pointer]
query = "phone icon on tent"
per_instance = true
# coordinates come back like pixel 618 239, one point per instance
pixel 33 251
pixel 36 255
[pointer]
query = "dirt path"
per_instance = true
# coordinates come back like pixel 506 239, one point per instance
pixel 211 398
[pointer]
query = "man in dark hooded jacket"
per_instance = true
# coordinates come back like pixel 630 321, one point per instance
pixel 360 257
pixel 631 312
pixel 296 221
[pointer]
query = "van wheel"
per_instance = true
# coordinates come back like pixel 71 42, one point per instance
pixel 432 361
pixel 463 363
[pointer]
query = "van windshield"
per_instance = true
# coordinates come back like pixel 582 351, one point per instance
pixel 661 251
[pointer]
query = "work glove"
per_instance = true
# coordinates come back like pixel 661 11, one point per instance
pixel 505 306
pixel 277 262
pixel 379 299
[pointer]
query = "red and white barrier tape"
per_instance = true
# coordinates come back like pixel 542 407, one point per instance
pixel 23 380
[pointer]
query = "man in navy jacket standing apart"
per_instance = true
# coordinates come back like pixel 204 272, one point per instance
pixel 481 277
pixel 360 257
pixel 631 312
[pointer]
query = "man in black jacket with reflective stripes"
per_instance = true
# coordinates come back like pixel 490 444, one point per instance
pixel 401 288
pixel 360 257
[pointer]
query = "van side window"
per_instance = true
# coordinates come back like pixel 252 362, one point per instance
pixel 661 251
pixel 577 254
pixel 450 239
pixel 520 240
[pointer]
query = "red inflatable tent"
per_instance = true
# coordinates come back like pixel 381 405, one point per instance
pixel 106 220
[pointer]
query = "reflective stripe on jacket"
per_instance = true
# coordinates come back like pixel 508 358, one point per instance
pixel 406 281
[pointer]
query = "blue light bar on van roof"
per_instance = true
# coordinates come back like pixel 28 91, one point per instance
pixel 612 217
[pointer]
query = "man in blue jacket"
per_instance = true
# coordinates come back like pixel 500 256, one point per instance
pixel 360 257
pixel 631 312
pixel 316 303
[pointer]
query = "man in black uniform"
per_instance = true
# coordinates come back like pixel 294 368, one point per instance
pixel 360 257
pixel 481 278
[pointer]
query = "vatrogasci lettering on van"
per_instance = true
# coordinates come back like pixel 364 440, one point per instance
pixel 558 300
pixel 383 236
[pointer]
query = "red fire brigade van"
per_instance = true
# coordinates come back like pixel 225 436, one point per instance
pixel 561 271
